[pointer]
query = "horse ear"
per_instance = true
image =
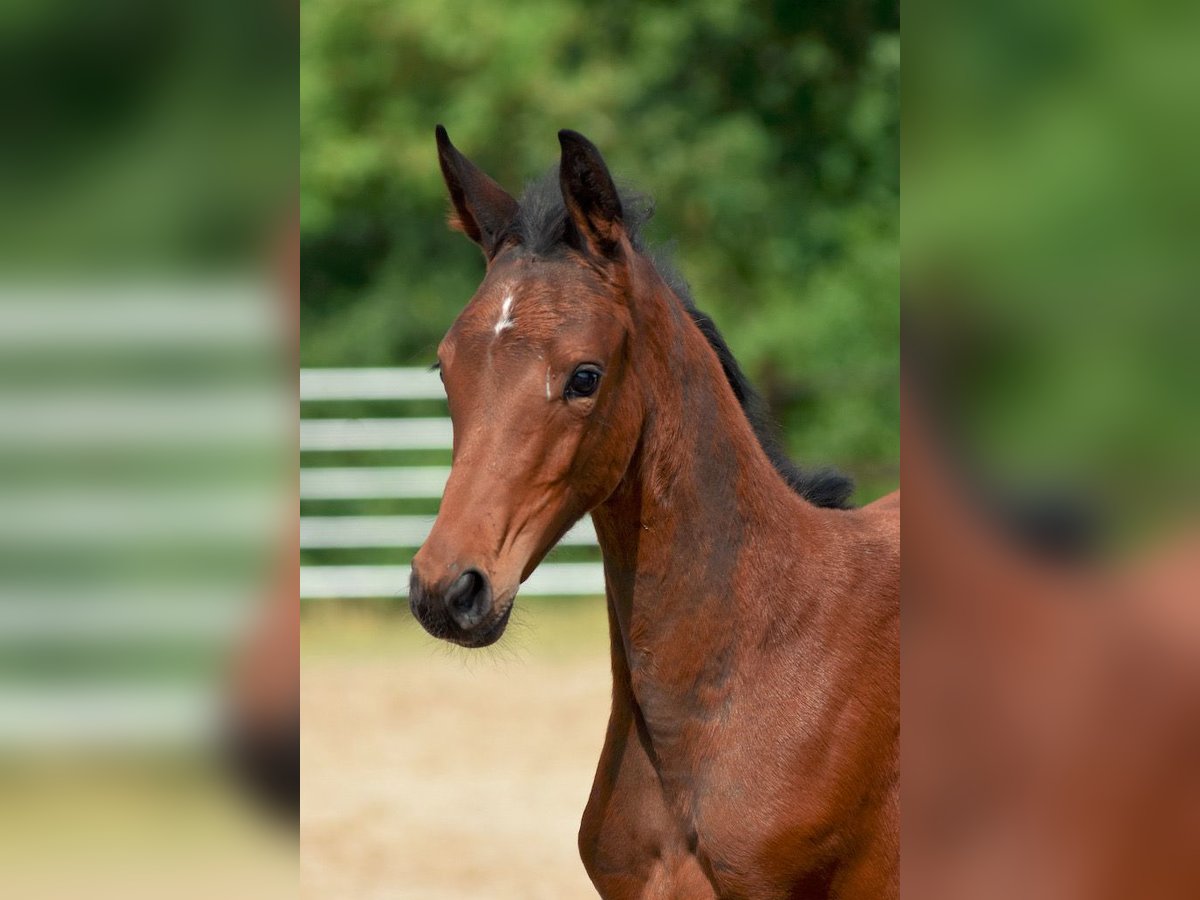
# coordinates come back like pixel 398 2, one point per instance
pixel 590 196
pixel 482 209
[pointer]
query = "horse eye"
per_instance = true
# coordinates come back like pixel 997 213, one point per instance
pixel 583 382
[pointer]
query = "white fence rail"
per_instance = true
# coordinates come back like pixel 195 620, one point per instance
pixel 325 532
pixel 370 384
pixel 553 579
pixel 371 482
pixel 127 574
pixel 387 483
pixel 375 434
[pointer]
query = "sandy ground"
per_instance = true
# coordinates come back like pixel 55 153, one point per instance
pixel 429 773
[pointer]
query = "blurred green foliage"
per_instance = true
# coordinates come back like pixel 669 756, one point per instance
pixel 768 133
pixel 1050 234
pixel 143 136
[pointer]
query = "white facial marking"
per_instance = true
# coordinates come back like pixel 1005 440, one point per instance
pixel 505 320
pixel 548 383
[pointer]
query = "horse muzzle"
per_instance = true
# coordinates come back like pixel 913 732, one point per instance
pixel 459 607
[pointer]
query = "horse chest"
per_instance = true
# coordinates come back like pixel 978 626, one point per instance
pixel 696 755
pixel 732 790
pixel 679 723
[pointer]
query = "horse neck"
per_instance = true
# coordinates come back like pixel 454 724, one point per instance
pixel 698 506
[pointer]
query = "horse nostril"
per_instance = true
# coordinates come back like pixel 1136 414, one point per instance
pixel 469 599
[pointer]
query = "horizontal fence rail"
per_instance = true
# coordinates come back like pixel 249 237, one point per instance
pixel 370 384
pixel 549 579
pixel 116 716
pixel 77 616
pixel 388 483
pixel 375 434
pixel 320 532
pixel 346 484
pixel 140 509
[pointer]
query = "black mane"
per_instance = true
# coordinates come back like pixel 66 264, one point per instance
pixel 540 226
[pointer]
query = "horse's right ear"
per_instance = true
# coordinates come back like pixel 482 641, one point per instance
pixel 482 209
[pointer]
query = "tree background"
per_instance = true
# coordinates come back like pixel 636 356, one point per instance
pixel 768 132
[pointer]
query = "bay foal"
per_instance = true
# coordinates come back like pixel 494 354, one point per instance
pixel 752 749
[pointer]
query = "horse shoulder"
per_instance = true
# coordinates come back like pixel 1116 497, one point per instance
pixel 884 513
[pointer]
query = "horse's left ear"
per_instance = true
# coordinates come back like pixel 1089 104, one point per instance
pixel 590 195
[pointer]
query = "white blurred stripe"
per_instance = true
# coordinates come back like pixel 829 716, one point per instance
pixel 28 617
pixel 345 582
pixel 95 517
pixel 370 384
pixel 154 315
pixel 376 434
pixel 382 482
pixel 109 716
pixel 139 418
pixel 319 532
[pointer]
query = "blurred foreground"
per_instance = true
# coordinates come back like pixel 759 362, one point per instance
pixel 1051 638
pixel 1051 706
pixel 146 497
